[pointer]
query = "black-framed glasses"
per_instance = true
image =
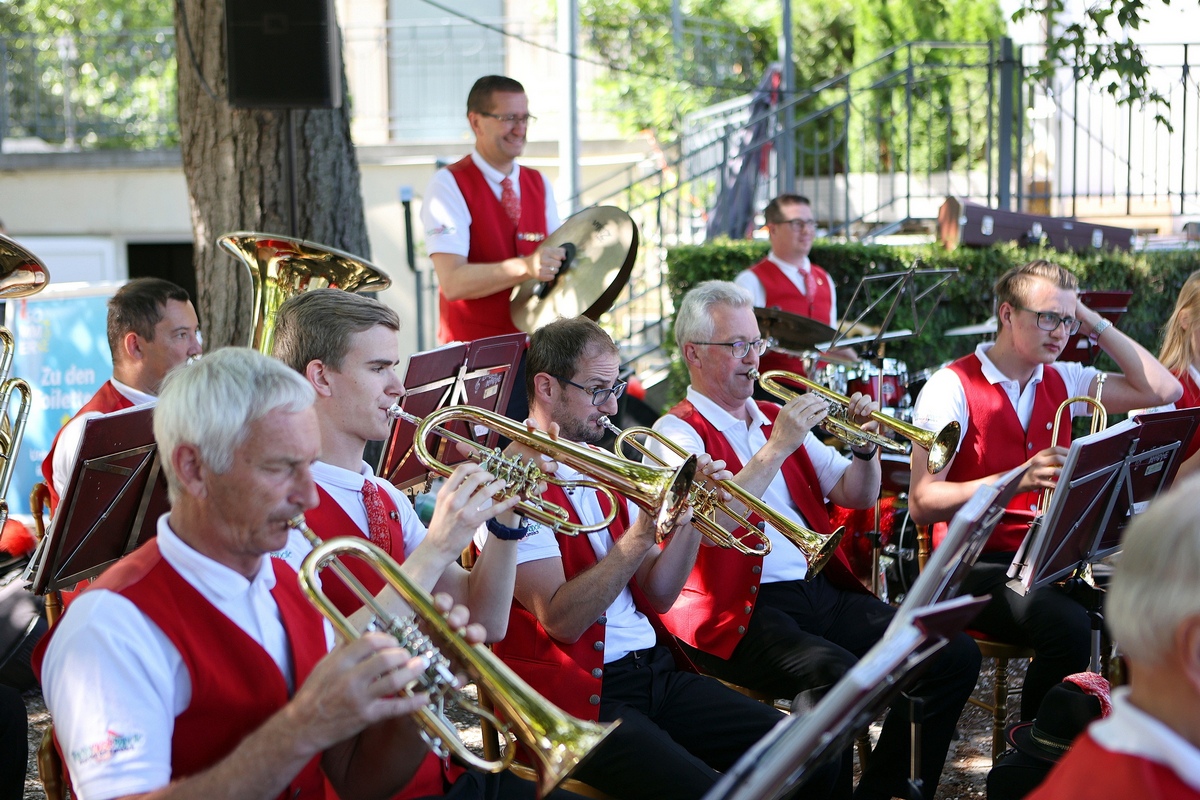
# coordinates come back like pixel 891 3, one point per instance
pixel 599 396
pixel 799 225
pixel 740 348
pixel 511 119
pixel 1049 321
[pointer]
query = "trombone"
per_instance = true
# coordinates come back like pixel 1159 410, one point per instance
pixel 661 491
pixel 817 549
pixel 558 741
pixel 941 444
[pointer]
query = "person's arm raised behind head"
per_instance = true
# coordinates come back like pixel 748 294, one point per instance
pixel 1142 382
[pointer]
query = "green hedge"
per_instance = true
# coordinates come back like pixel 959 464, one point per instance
pixel 1154 278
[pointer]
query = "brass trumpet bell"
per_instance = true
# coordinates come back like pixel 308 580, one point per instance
pixel 21 272
pixel 282 267
pixel 558 741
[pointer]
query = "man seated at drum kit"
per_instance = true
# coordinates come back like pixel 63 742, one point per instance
pixel 152 328
pixel 1149 746
pixel 195 666
pixel 1007 397
pixel 585 623
pixel 786 279
pixel 767 623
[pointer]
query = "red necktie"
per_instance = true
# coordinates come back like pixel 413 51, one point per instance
pixel 508 199
pixel 377 524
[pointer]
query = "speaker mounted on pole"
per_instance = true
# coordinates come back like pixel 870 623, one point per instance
pixel 282 54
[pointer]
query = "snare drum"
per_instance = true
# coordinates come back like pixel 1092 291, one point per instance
pixel 885 386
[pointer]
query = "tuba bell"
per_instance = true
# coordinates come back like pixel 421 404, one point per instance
pixel 282 267
pixel 21 274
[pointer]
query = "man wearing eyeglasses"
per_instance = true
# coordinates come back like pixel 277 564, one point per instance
pixel 786 279
pixel 585 627
pixel 766 622
pixel 1005 396
pixel 486 216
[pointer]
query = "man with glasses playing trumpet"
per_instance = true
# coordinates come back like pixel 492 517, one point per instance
pixel 1006 397
pixel 195 667
pixel 585 622
pixel 766 622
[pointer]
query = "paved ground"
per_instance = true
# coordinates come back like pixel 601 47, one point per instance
pixel 965 775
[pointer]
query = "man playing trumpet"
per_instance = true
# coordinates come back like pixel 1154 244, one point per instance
pixel 195 667
pixel 765 622
pixel 1006 396
pixel 585 628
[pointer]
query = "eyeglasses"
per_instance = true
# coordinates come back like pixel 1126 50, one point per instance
pixel 1049 321
pixel 741 349
pixel 599 396
pixel 799 225
pixel 511 119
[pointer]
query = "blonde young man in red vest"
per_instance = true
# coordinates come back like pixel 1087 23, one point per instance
pixel 765 622
pixel 1005 396
pixel 585 628
pixel 485 218
pixel 152 328
pixel 345 345
pixel 786 279
pixel 1149 747
pixel 195 667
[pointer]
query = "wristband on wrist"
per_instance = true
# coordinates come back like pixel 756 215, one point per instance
pixel 502 531
pixel 1100 327
pixel 865 456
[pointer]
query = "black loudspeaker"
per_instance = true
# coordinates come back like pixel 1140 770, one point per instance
pixel 282 54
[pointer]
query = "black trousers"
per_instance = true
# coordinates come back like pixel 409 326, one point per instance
pixel 14 747
pixel 1051 620
pixel 805 635
pixel 678 731
pixel 505 785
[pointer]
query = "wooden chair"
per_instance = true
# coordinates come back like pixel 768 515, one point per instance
pixel 989 647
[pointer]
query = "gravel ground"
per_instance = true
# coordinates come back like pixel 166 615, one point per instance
pixel 964 777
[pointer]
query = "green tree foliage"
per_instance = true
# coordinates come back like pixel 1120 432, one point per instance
pixel 90 74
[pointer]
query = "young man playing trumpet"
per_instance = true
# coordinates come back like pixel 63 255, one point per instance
pixel 345 345
pixel 765 622
pixel 1006 396
pixel 585 628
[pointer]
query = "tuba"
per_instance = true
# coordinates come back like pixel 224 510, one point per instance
pixel 661 491
pixel 282 267
pixel 817 549
pixel 940 444
pixel 21 274
pixel 558 741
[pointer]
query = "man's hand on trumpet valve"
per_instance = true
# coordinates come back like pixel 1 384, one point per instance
pixel 797 417
pixel 860 409
pixel 712 472
pixel 1043 469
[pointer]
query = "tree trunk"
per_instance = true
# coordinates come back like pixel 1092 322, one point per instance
pixel 236 165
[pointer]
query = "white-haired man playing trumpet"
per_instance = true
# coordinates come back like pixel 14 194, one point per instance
pixel 195 667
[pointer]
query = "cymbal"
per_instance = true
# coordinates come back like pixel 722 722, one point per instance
pixel 984 328
pixel 605 244
pixel 792 331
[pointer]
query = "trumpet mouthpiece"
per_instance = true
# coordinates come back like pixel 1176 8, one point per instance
pixel 752 374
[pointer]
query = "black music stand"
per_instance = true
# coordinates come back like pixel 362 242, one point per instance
pixel 479 373
pixel 917 291
pixel 1108 478
pixel 931 613
pixel 112 504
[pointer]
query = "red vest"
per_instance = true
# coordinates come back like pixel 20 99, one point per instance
pixel 106 400
pixel 994 442
pixel 236 686
pixel 1190 399
pixel 329 520
pixel 722 589
pixel 570 675
pixel 783 294
pixel 1089 772
pixel 493 238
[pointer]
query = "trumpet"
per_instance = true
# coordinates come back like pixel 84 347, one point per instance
pixel 941 444
pixel 661 491
pixel 558 741
pixel 817 549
